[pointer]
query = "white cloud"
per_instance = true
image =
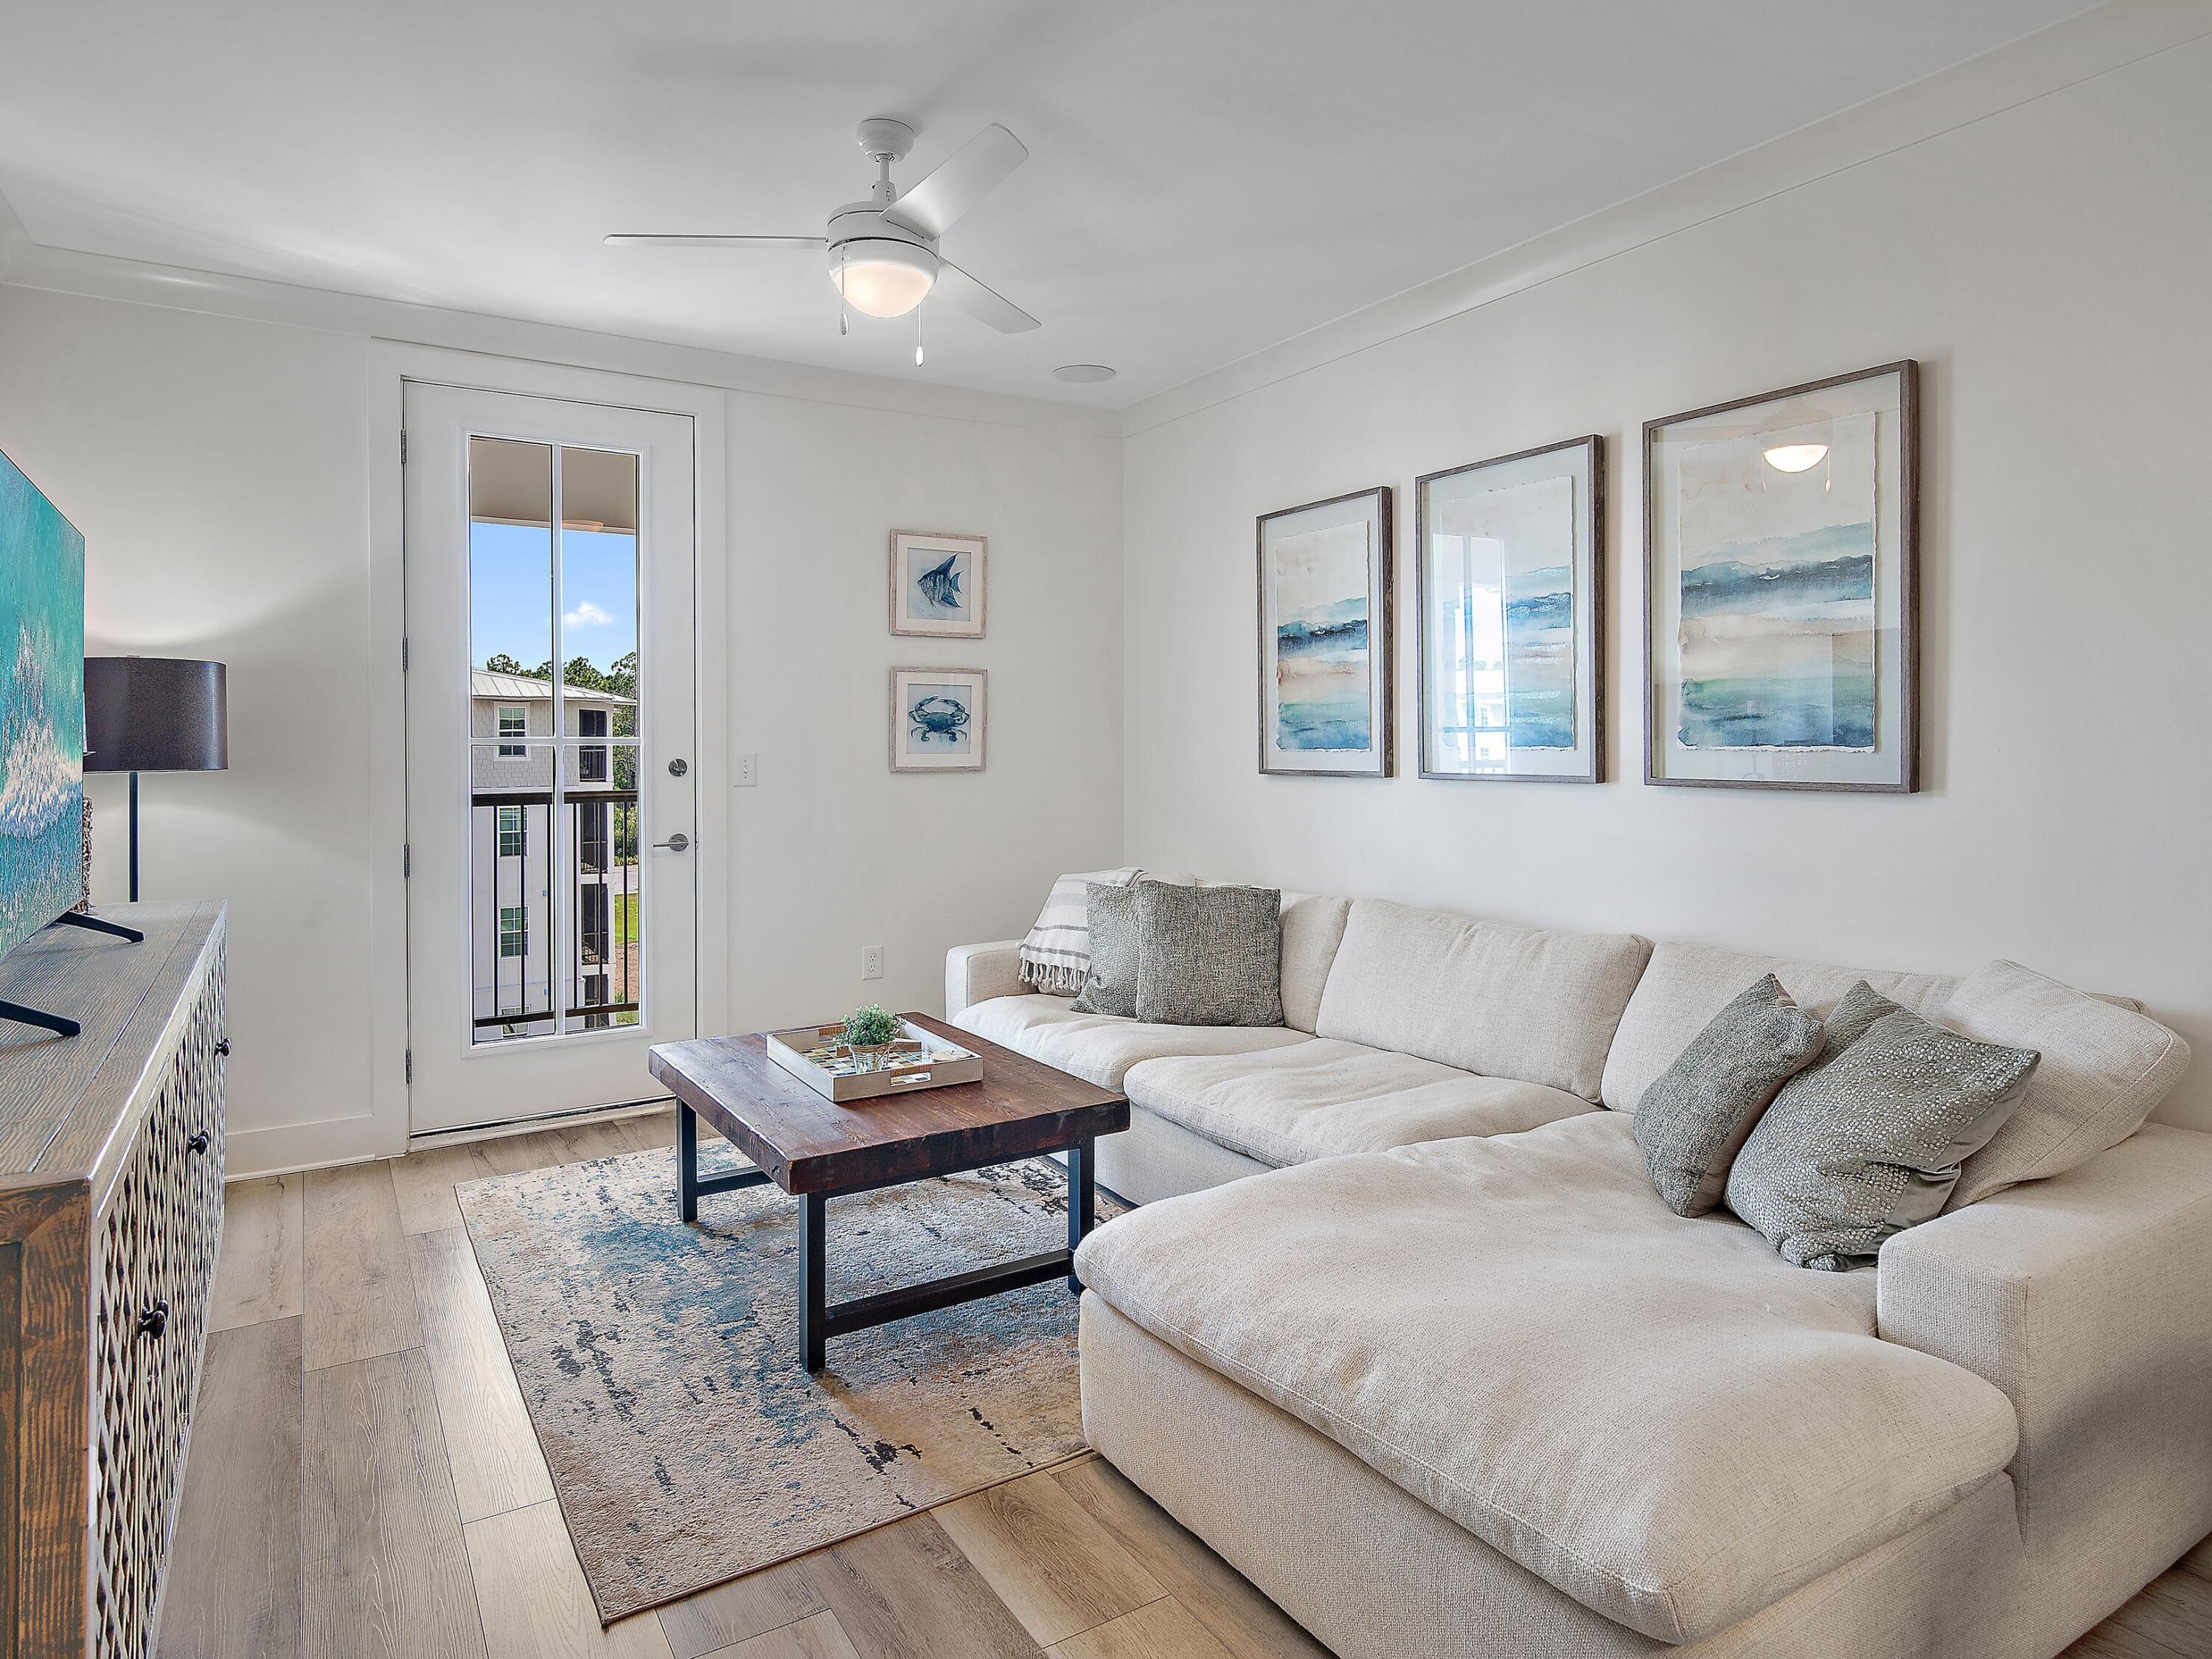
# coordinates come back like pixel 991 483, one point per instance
pixel 585 615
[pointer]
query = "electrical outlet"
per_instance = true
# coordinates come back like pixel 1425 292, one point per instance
pixel 872 962
pixel 747 776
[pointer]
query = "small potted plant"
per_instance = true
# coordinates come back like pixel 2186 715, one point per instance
pixel 870 1029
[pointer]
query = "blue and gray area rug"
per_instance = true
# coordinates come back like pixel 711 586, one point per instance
pixel 659 1361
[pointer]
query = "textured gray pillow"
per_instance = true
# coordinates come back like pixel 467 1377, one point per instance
pixel 1209 956
pixel 1696 1116
pixel 1109 986
pixel 1868 1141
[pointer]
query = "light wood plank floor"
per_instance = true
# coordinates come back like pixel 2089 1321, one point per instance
pixel 364 1482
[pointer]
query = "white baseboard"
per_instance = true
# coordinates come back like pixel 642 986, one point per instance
pixel 294 1148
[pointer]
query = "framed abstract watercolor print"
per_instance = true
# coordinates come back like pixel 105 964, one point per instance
pixel 1325 663
pixel 1781 589
pixel 937 584
pixel 938 720
pixel 1512 616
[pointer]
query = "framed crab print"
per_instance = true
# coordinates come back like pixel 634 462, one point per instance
pixel 937 584
pixel 1325 666
pixel 1782 588
pixel 938 718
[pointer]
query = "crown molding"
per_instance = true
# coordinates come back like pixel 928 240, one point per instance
pixel 30 264
pixel 2049 61
pixel 13 238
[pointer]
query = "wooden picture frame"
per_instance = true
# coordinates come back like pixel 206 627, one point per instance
pixel 926 735
pixel 1359 629
pixel 1568 523
pixel 1811 669
pixel 939 586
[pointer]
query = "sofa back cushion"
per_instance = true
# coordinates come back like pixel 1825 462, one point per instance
pixel 1491 997
pixel 2105 1067
pixel 1686 985
pixel 1312 927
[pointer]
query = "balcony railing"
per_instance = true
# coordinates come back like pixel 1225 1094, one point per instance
pixel 516 939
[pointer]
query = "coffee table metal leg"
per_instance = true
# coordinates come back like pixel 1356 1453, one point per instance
pixel 687 1163
pixel 1082 1198
pixel 813 1281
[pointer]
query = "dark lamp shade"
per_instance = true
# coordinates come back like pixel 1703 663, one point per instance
pixel 154 714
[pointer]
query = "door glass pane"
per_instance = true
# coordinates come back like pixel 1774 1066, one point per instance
pixel 555 912
pixel 602 979
pixel 512 755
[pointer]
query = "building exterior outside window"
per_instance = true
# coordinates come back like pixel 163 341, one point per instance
pixel 514 847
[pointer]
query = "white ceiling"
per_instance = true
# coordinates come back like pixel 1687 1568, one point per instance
pixel 1205 178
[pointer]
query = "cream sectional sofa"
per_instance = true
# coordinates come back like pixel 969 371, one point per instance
pixel 1447 1378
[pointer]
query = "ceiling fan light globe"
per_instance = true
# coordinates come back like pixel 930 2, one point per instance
pixel 1796 458
pixel 881 277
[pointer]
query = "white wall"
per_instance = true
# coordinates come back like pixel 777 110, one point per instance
pixel 221 471
pixel 2046 265
pixel 833 851
pixel 218 470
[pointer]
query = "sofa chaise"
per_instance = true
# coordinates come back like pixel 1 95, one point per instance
pixel 1402 1329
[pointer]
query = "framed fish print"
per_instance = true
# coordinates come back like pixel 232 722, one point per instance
pixel 1782 596
pixel 1512 616
pixel 937 584
pixel 938 718
pixel 1325 663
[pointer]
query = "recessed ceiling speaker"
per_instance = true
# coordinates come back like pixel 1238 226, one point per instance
pixel 1082 373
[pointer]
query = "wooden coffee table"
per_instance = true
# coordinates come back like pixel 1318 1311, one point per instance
pixel 813 1149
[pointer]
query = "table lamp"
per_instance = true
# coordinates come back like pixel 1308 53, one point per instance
pixel 154 714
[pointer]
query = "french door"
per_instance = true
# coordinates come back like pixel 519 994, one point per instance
pixel 552 903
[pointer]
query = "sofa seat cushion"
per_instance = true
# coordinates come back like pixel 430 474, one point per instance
pixel 1100 1048
pixel 1657 1415
pixel 1321 1099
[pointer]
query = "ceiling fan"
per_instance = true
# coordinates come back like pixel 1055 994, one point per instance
pixel 883 252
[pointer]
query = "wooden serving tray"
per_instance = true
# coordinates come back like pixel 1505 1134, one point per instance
pixel 922 1060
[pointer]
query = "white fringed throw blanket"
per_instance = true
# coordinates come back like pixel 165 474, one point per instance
pixel 1056 954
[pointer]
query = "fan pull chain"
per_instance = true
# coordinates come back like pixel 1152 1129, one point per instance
pixel 841 320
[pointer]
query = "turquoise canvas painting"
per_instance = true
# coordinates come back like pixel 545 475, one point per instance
pixel 1321 664
pixel 41 709
pixel 1777 633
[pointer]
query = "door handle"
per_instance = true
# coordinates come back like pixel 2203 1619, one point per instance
pixel 675 843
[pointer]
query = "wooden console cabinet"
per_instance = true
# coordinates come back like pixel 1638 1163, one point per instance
pixel 111 1210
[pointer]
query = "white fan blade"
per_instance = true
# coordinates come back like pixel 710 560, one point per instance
pixel 968 175
pixel 963 292
pixel 717 241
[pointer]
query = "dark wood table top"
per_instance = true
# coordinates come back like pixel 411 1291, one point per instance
pixel 809 1144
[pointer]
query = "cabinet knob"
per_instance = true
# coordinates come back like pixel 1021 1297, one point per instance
pixel 223 1045
pixel 154 1318
pixel 198 1143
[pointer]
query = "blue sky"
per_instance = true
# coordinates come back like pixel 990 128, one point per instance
pixel 511 602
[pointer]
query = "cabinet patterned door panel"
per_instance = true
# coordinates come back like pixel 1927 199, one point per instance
pixel 154 1263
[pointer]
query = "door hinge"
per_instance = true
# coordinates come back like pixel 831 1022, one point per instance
pixel 407 863
pixel 403 446
pixel 411 1065
pixel 402 653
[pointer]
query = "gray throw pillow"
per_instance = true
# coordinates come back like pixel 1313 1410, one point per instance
pixel 1868 1141
pixel 1109 985
pixel 1695 1117
pixel 1209 956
